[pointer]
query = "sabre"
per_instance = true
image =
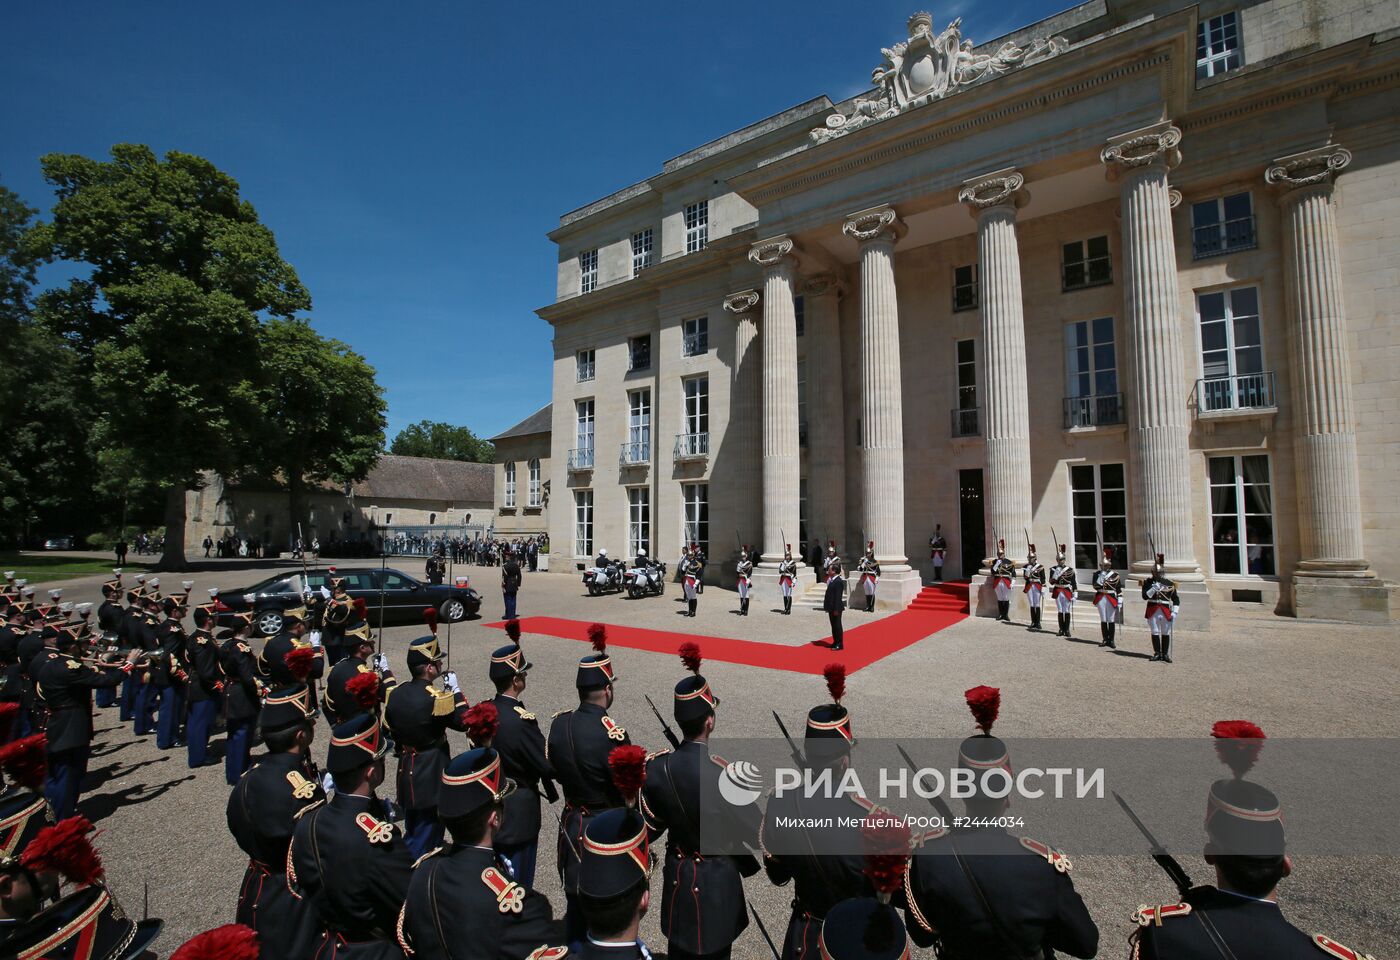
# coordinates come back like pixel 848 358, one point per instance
pixel 1159 853
pixel 383 573
pixel 451 584
pixel 796 753
pixel 665 727
pixel 565 834
pixel 1028 538
pixel 763 930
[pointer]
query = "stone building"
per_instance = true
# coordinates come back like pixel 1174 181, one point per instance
pixel 1126 276
pixel 522 476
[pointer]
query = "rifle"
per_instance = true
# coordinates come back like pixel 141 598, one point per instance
pixel 796 753
pixel 665 727
pixel 450 587
pixel 764 930
pixel 1159 853
pixel 383 574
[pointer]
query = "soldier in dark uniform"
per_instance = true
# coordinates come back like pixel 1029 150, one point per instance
pixel 436 567
pixel 272 662
pixel 242 697
pixel 419 715
pixel 615 875
pixel 692 570
pixel 577 748
pixel 819 881
pixel 1033 574
pixel 1239 916
pixel 66 685
pixel 1003 572
pixel 743 574
pixel 522 750
pixel 1064 588
pixel 787 578
pixel 977 891
pixel 1163 602
pixel 206 685
pixel 863 928
pixel 36 647
pixel 702 890
pixel 869 571
pixel 340 611
pixel 24 811
pixel 262 814
pixel 937 550
pixel 347 859
pixel 170 673
pixel 1108 593
pixel 109 621
pixel 148 690
pixel 339 702
pixel 128 636
pixel 464 903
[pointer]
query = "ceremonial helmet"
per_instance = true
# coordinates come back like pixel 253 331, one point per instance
pixel 287 707
pixel 1243 818
pixel 829 734
pixel 787 551
pixel 870 549
pixel 1001 548
pixel 356 743
pixel 1030 553
pixel 595 671
pixel 1159 564
pixel 863 928
pixel 509 661
pixel 470 781
pixel 425 650
pixel 615 856
pixel 744 551
pixel 1060 553
pixel 694 700
pixel 1106 561
pixel 88 923
pixel 23 809
pixel 982 751
pixel 831 546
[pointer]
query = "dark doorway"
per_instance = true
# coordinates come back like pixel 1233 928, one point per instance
pixel 973 537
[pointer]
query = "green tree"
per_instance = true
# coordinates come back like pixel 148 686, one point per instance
pixel 442 441
pixel 322 411
pixel 182 269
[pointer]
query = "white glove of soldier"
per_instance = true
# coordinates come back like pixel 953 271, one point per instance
pixel 328 784
pixel 449 680
pixel 315 639
pixel 381 662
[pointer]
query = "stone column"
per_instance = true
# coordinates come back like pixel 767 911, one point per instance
pixel 826 427
pixel 1332 579
pixel 1159 433
pixel 993 200
pixel 745 407
pixel 781 454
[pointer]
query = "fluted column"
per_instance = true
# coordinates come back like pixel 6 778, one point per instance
pixel 745 404
pixel 882 396
pixel 826 429
pixel 1329 489
pixel 993 200
pixel 781 454
pixel 1159 447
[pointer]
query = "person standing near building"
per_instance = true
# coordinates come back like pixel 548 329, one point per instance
pixel 1033 573
pixel 510 584
pixel 1108 593
pixel 744 579
pixel 787 577
pixel 937 550
pixel 869 571
pixel 120 551
pixel 436 567
pixel 1163 602
pixel 1064 587
pixel 208 544
pixel 834 603
pixel 691 570
pixel 833 559
pixel 1003 573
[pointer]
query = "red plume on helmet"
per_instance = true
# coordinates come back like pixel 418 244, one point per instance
pixel 886 854
pixel 985 704
pixel 26 761
pixel 65 848
pixel 513 630
pixel 835 674
pixel 598 636
pixel 361 611
pixel 690 656
pixel 9 709
pixel 1237 744
pixel 628 766
pixel 482 722
pixel 363 688
pixel 430 617
pixel 298 661
pixel 232 941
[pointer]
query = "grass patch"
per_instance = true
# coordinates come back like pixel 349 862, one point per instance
pixel 40 568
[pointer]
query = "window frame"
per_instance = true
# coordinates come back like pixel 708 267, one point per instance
pixel 633 343
pixel 583 522
pixel 534 479
pixel 695 515
pixel 639 416
pixel 699 416
pixel 1085 262
pixel 588 366
pixel 588 271
pixel 1221 226
pixel 580 420
pixel 1209 60
pixel 695 336
pixel 1099 518
pixel 1231 349
pixel 973 287
pixel 697 225
pixel 1241 515
pixel 638 520
pixel 509 497
pixel 643 245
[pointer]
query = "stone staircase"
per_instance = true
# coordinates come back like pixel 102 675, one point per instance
pixel 948 596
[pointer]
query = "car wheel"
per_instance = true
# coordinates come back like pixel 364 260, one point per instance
pixel 270 623
pixel 453 610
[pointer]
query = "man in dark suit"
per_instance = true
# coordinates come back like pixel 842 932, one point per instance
pixel 834 603
pixel 510 584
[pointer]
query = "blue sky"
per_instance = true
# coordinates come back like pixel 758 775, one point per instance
pixel 410 157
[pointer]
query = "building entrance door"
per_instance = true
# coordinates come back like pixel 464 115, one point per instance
pixel 973 536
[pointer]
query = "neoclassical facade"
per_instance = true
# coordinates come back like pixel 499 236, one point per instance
pixel 1125 279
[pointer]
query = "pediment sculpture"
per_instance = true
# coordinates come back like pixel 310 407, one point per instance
pixel 928 67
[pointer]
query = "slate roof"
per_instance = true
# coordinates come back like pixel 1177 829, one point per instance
pixel 537 422
pixel 421 478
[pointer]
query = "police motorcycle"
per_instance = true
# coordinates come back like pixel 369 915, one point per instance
pixel 603 577
pixel 647 578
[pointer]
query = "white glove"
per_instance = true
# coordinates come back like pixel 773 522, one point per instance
pixel 449 680
pixel 381 662
pixel 316 639
pixel 328 784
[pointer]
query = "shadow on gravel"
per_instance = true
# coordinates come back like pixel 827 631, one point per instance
pixel 104 805
pixel 1133 654
pixel 96 778
pixel 109 749
pixel 1092 643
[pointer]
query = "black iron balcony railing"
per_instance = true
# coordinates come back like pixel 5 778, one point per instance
pixel 1245 392
pixel 581 458
pixel 692 446
pixel 636 453
pixel 1211 239
pixel 967 422
pixel 1094 411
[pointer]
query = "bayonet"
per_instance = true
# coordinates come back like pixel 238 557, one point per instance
pixel 665 727
pixel 764 930
pixel 796 753
pixel 1159 853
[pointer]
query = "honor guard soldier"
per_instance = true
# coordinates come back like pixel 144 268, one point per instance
pixel 339 701
pixel 977 891
pixel 170 673
pixel 700 560
pixel 262 815
pixel 702 893
pixel 1239 916
pixel 109 621
pixel 419 715
pixel 340 611
pixel 464 903
pixel 347 859
pixel 820 881
pixel 1064 587
pixel 578 745
pixel 1108 596
pixel 864 928
pixel 831 561
pixel 521 747
pixel 315 603
pixel 615 876
pixel 436 567
pixel 272 662
pixel 242 696
pixel 1162 606
pixel 1003 573
pixel 787 578
pixel 937 550
pixel 128 636
pixel 1033 573
pixel 24 811
pixel 744 572
pixel 869 572
pixel 691 570
pixel 206 685
pixel 150 636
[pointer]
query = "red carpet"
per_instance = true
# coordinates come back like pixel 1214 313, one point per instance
pixel 864 644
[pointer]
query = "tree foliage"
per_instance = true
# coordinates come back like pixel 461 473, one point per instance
pixel 442 441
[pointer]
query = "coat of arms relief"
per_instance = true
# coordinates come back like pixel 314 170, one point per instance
pixel 927 67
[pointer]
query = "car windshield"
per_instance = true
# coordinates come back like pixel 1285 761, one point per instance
pixel 277 585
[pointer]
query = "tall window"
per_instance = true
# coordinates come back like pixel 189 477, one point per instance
pixel 1091 374
pixel 639 352
pixel 697 405
pixel 583 365
pixel 697 226
pixel 510 484
pixel 1242 515
pixel 641 250
pixel 535 491
pixel 1232 352
pixel 799 309
pixel 1099 508
pixel 1218 45
pixel 1087 263
pixel 965 287
pixel 587 271
pixel 965 415
pixel 583 523
pixel 583 414
pixel 1222 224
pixel 802 401
pixel 803 536
pixel 638 520
pixel 638 426
pixel 695 337
pixel 695 500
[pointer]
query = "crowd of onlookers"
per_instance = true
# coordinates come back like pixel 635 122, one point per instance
pixel 481 551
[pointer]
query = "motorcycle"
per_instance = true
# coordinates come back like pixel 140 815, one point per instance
pixel 644 580
pixel 604 579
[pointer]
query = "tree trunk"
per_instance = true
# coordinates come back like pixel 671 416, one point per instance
pixel 173 558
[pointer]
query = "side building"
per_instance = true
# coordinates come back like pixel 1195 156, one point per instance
pixel 522 476
pixel 1124 277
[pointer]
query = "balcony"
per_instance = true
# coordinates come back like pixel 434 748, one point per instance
pixel 1247 395
pixel 635 453
pixel 968 422
pixel 1213 239
pixel 695 344
pixel 585 370
pixel 580 458
pixel 692 446
pixel 1099 410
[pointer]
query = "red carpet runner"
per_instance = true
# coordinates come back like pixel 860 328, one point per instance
pixel 937 607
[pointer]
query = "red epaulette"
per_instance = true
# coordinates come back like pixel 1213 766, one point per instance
pixel 1053 857
pixel 510 897
pixel 1145 916
pixel 1328 945
pixel 719 761
pixel 615 729
pixel 548 953
pixel 378 831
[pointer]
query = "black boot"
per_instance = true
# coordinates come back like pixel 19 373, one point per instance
pixel 1167 648
pixel 744 607
pixel 1069 625
pixel 1112 627
pixel 692 607
pixel 1035 618
pixel 1103 633
pixel 787 606
pixel 1156 648
pixel 870 603
pixel 1002 607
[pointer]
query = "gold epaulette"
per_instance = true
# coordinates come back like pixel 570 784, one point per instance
pixel 302 788
pixel 524 714
pixel 309 807
pixel 378 831
pixel 615 729
pixel 657 753
pixel 444 702
pixel 1145 916
pixel 1328 945
pixel 431 853
pixel 548 953
pixel 510 897
pixel 1052 856
pixel 559 713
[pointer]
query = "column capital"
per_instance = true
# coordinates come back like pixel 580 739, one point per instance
pixel 771 252
pixel 822 284
pixel 745 301
pixel 1310 168
pixel 874 223
pixel 1154 146
pixel 1005 187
